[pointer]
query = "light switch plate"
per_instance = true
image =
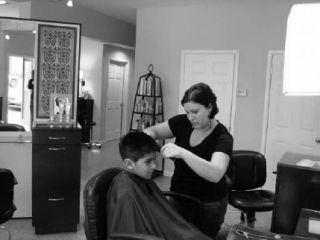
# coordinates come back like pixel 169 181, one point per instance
pixel 242 92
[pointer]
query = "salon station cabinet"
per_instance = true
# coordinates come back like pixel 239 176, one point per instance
pixel 56 162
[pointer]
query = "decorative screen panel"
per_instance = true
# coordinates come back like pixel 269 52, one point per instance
pixel 56 67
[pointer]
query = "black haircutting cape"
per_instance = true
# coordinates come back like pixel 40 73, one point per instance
pixel 136 205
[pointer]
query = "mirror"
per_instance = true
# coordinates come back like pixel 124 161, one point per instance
pixel 17 47
pixel 38 63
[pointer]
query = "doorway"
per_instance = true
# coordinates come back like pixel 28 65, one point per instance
pixel 219 70
pixel 115 105
pixel 19 96
pixel 291 123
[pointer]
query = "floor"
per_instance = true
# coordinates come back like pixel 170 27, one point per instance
pixel 93 161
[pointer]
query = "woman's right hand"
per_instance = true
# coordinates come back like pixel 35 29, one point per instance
pixel 172 151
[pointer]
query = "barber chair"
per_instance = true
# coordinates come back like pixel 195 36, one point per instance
pixel 94 200
pixel 11 127
pixel 7 207
pixel 247 172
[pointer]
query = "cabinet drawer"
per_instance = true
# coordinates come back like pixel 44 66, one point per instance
pixel 56 209
pixel 56 137
pixel 56 169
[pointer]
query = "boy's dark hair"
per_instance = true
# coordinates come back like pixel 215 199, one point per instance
pixel 201 93
pixel 135 145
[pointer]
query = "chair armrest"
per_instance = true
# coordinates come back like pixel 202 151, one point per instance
pixel 132 236
pixel 180 196
pixel 90 124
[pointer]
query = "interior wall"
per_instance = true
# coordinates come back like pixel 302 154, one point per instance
pixel 91 57
pixel 9 10
pixel 25 9
pixel 93 24
pixel 95 56
pixel 15 9
pixel 118 54
pixel 250 26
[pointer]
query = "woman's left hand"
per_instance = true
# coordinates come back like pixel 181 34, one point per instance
pixel 171 150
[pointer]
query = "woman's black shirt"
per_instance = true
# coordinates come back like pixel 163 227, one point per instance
pixel 184 179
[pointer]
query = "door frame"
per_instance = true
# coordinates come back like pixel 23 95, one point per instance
pixel 271 53
pixel 123 125
pixel 235 77
pixel 23 105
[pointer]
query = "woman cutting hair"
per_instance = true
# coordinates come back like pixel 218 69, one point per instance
pixel 201 154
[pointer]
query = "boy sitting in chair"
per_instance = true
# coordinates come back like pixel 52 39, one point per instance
pixel 135 204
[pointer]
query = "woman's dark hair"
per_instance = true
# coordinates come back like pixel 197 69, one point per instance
pixel 135 145
pixel 201 93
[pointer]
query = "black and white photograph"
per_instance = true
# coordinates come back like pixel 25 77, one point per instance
pixel 159 119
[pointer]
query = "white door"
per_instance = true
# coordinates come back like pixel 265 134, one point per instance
pixel 293 122
pixel 114 111
pixel 218 69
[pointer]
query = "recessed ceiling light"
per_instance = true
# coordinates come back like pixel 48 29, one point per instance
pixel 2 2
pixel 70 3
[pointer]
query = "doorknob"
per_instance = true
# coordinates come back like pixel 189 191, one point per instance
pixel 317 140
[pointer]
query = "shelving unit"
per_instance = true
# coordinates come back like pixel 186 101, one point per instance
pixel 148 106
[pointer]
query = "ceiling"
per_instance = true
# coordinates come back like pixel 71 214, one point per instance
pixel 126 9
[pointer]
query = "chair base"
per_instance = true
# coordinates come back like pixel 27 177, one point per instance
pixel 248 218
pixel 93 144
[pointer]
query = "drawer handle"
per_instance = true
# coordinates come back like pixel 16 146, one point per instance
pixel 57 149
pixel 55 199
pixel 57 138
